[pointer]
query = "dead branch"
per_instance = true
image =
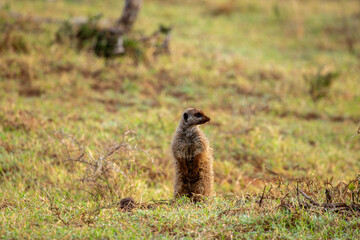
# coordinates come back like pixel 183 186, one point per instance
pixel 100 176
pixel 309 198
pixel 262 196
pixel 311 205
pixel 297 192
pixel 328 196
pixel 129 15
pixel 337 207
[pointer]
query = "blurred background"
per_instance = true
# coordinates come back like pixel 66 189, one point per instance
pixel 78 78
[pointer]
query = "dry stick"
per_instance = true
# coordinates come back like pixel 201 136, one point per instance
pixel 129 15
pixel 269 189
pixel 287 194
pixel 336 206
pixel 74 142
pixel 262 197
pixel 309 198
pixel 297 192
pixel 54 209
pixel 114 150
pixel 58 214
pixel 328 196
pixel 271 171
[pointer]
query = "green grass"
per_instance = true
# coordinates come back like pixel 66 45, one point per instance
pixel 246 66
pixel 183 220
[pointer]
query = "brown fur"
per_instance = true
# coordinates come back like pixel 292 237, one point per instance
pixel 193 157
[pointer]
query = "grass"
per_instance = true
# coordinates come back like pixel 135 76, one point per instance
pixel 245 63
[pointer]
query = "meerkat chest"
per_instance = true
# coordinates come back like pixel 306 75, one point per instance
pixel 190 146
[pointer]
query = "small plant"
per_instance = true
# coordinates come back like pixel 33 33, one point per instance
pixel 105 173
pixel 354 187
pixel 64 32
pixel 14 41
pixel 320 83
pixel 85 34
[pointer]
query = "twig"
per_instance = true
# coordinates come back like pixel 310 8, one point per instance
pixel 309 198
pixel 271 171
pixel 262 196
pixel 328 196
pixel 114 150
pixel 297 192
pixel 53 208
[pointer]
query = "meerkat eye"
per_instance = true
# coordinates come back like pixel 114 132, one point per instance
pixel 198 115
pixel 186 117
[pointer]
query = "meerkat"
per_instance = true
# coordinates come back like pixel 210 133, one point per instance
pixel 192 155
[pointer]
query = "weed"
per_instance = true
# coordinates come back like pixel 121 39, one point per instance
pixel 14 41
pixel 320 83
pixel 103 175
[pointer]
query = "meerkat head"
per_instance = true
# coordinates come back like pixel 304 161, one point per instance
pixel 193 116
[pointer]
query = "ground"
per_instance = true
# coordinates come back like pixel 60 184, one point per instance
pixel 279 80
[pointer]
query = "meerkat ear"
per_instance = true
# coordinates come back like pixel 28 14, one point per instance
pixel 186 117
